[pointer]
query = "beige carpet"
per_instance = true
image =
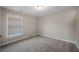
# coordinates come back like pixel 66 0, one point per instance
pixel 40 44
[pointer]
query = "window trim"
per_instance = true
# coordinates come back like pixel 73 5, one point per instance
pixel 15 16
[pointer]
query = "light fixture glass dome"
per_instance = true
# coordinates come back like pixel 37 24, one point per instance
pixel 40 7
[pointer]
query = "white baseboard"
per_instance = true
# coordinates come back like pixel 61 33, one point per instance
pixel 77 45
pixel 18 39
pixel 34 34
pixel 47 35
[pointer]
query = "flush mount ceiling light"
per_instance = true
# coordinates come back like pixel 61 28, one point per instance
pixel 40 7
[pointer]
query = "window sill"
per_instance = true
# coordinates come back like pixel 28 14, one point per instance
pixel 14 35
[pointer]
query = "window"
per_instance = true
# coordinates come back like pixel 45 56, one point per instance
pixel 14 25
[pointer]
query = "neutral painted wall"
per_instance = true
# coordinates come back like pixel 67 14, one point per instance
pixel 77 27
pixel 0 20
pixel 29 25
pixel 59 26
pixel 0 24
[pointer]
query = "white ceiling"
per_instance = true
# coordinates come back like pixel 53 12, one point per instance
pixel 38 13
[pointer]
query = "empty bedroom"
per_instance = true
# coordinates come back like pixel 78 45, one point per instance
pixel 39 28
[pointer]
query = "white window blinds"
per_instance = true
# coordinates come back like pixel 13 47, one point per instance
pixel 14 25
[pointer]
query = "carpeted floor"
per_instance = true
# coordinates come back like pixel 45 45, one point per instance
pixel 40 44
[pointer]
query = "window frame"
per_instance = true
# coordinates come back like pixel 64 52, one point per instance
pixel 13 16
